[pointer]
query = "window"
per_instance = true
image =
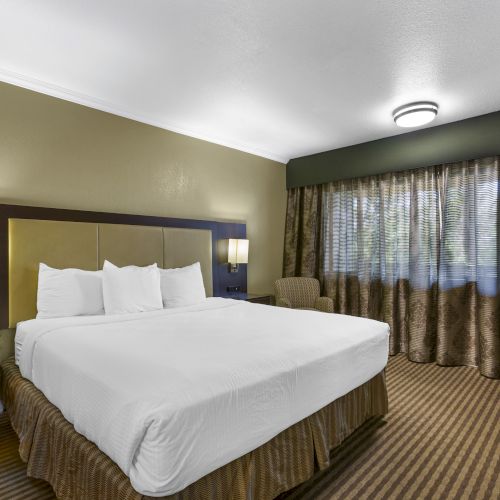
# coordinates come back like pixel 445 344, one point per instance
pixel 427 225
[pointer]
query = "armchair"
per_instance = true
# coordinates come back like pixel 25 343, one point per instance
pixel 301 293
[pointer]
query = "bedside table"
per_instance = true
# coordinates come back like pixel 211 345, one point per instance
pixel 256 298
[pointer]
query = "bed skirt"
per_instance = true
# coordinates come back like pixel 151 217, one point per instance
pixel 77 469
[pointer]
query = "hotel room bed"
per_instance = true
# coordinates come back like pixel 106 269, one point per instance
pixel 225 399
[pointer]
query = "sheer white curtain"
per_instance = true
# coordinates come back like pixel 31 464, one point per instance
pixel 470 226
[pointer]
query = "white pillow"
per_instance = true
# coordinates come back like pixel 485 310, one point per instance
pixel 68 292
pixel 131 289
pixel 182 286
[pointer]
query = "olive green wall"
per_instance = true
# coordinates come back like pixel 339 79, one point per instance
pixel 58 154
pixel 463 140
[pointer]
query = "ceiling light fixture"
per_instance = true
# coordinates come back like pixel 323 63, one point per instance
pixel 415 114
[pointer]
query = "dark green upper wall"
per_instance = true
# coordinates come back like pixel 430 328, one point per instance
pixel 467 139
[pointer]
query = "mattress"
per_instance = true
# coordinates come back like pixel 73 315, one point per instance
pixel 172 395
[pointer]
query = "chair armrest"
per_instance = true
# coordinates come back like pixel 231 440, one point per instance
pixel 324 304
pixel 283 302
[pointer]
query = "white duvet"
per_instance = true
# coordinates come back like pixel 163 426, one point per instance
pixel 172 395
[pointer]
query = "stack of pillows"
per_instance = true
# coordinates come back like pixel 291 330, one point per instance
pixel 116 290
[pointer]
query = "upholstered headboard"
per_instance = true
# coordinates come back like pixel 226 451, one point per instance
pixel 63 238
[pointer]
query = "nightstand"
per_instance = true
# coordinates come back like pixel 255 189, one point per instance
pixel 256 298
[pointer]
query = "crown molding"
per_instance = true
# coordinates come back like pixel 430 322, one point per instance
pixel 66 94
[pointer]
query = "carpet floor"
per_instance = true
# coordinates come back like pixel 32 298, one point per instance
pixel 440 440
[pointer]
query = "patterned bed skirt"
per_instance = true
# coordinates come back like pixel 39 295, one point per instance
pixel 77 469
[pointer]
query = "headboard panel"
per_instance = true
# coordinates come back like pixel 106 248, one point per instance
pixel 67 238
pixel 126 245
pixel 182 247
pixel 57 244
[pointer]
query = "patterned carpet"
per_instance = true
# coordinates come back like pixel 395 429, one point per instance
pixel 440 440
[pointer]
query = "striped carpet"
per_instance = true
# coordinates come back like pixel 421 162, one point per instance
pixel 440 440
pixel 14 485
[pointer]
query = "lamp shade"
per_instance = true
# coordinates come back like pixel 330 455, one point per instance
pixel 237 251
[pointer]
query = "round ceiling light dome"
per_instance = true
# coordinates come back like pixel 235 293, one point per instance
pixel 415 114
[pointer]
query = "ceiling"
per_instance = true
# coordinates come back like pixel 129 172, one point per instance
pixel 278 78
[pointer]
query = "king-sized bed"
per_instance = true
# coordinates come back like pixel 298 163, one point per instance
pixel 221 399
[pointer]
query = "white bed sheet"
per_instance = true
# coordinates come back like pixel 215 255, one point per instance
pixel 172 395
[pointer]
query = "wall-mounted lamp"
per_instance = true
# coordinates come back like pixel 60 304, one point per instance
pixel 237 253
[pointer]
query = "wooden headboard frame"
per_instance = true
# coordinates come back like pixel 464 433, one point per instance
pixel 220 230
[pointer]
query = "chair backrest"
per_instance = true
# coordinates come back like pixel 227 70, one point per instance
pixel 301 292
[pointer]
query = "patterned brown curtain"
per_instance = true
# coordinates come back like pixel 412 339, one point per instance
pixel 418 249
pixel 303 232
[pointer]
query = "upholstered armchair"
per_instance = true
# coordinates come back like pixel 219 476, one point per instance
pixel 301 293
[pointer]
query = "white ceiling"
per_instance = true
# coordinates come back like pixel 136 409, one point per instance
pixel 278 78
